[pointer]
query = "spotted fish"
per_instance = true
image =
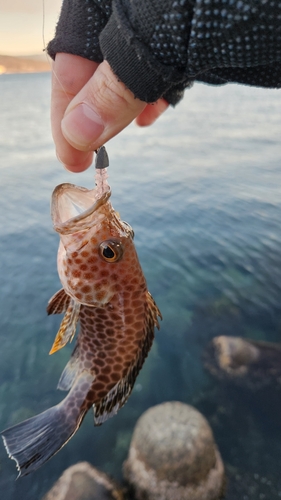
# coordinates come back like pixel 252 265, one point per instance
pixel 105 289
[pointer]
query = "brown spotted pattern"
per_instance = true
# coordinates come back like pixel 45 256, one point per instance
pixel 117 314
pixel 113 341
pixel 104 288
pixel 85 276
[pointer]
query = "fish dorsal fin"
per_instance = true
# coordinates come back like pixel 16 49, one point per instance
pixel 113 401
pixel 67 327
pixel 58 303
pixel 118 395
pixel 154 312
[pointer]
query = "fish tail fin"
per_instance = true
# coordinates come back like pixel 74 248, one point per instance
pixel 32 442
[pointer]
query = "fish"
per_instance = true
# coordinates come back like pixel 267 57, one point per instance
pixel 104 289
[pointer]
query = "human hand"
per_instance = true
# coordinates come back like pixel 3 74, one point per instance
pixel 89 106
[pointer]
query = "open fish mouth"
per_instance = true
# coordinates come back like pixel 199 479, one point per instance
pixel 72 207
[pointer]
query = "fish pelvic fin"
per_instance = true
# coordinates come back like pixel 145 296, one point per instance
pixel 58 303
pixel 67 327
pixel 34 441
pixel 119 394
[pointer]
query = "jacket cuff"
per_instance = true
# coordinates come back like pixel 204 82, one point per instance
pixel 78 30
pixel 134 65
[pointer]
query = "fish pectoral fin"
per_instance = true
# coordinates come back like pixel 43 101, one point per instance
pixel 58 303
pixel 67 327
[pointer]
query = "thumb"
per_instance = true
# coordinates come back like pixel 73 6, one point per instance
pixel 102 108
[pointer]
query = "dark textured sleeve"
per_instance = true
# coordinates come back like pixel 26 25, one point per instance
pixel 160 47
pixel 79 28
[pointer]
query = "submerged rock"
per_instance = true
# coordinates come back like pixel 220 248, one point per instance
pixel 251 364
pixel 173 456
pixel 84 482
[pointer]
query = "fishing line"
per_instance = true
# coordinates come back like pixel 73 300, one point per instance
pixel 45 50
pixel 43 28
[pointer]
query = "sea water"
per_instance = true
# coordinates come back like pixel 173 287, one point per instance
pixel 202 190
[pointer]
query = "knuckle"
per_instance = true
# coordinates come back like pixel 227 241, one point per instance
pixel 110 93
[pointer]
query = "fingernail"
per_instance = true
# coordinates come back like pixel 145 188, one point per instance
pixel 82 126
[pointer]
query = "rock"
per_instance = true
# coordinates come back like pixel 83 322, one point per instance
pixel 84 482
pixel 251 364
pixel 173 456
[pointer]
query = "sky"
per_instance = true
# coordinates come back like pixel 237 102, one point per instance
pixel 21 25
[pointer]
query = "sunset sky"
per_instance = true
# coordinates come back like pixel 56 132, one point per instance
pixel 21 25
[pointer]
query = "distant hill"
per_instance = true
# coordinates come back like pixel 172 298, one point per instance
pixel 25 64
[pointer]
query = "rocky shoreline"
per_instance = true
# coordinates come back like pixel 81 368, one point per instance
pixel 25 64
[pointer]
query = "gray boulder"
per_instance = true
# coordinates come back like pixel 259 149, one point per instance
pixel 84 482
pixel 173 456
pixel 253 365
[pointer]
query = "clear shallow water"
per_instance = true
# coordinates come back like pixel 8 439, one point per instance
pixel 202 190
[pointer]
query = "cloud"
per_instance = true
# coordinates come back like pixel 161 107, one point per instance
pixel 30 6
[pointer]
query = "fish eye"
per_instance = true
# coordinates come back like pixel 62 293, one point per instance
pixel 129 229
pixel 111 250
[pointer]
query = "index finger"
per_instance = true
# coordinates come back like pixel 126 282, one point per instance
pixel 69 75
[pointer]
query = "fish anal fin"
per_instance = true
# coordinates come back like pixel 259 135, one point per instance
pixel 58 303
pixel 70 372
pixel 67 327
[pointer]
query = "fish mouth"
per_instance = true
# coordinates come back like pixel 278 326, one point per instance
pixel 72 207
